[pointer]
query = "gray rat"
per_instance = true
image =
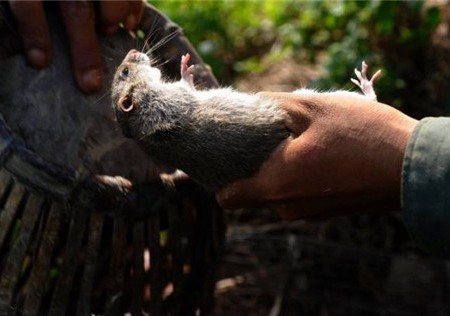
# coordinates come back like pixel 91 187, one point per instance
pixel 216 136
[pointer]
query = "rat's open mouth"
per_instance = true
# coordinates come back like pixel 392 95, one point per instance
pixel 126 103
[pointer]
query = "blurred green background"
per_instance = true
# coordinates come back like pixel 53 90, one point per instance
pixel 408 40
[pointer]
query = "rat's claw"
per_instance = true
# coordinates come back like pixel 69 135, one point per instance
pixel 187 72
pixel 362 75
pixel 358 74
pixel 376 76
pixel 356 82
pixel 184 62
pixel 185 58
pixel 364 68
pixel 171 179
pixel 365 84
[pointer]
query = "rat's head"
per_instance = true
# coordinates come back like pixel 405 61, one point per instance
pixel 141 100
pixel 131 85
pixel 134 70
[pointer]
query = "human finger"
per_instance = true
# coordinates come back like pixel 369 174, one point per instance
pixel 33 31
pixel 113 12
pixel 79 22
pixel 136 11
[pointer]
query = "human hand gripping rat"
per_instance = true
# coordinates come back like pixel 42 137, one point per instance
pixel 346 158
pixel 305 148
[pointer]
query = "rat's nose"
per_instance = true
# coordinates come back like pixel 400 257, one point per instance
pixel 133 53
pixel 137 57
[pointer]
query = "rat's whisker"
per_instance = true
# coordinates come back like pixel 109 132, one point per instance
pixel 101 97
pixel 107 57
pixel 151 33
pixel 160 64
pixel 163 41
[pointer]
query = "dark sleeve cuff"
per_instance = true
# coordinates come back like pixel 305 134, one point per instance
pixel 426 185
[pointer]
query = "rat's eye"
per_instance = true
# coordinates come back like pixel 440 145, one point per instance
pixel 125 72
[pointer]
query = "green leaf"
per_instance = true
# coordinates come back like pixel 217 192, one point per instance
pixel 433 17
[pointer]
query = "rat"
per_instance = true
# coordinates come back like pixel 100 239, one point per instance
pixel 215 136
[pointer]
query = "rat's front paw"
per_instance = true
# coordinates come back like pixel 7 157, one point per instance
pixel 365 84
pixel 187 72
pixel 171 179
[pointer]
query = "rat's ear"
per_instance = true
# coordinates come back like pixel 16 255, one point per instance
pixel 126 103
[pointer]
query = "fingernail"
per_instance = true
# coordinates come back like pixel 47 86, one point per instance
pixel 91 80
pixel 37 57
pixel 131 22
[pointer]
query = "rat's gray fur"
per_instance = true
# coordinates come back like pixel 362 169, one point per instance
pixel 215 136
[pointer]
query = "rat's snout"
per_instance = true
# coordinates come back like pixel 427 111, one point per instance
pixel 132 53
pixel 136 56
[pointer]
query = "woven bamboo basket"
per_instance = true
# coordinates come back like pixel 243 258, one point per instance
pixel 72 243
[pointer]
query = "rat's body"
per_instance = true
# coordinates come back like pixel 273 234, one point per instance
pixel 216 136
